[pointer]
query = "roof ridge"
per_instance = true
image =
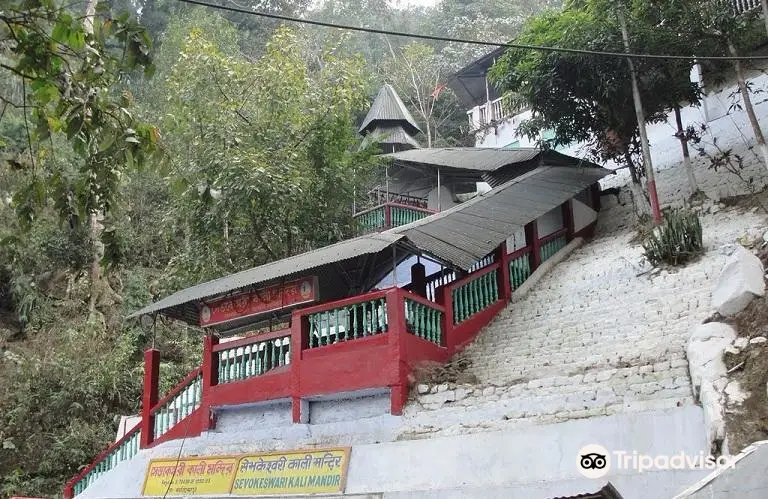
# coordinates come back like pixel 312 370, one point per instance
pixel 388 106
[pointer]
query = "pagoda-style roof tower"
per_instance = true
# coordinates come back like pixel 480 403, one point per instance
pixel 389 123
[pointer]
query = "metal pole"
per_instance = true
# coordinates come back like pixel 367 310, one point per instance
pixel 394 266
pixel 386 174
pixel 641 124
pixel 439 205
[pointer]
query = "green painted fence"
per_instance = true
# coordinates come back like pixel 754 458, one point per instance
pixel 400 215
pixel 348 322
pixel 549 248
pixel 475 295
pixel 126 450
pixel 243 362
pixel 424 321
pixel 519 270
pixel 370 220
pixel 179 407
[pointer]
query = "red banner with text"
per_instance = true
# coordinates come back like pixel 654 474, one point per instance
pixel 259 301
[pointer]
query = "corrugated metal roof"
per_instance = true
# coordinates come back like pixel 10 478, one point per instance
pixel 388 107
pixel 460 236
pixel 390 135
pixel 468 232
pixel 467 158
pixel 344 250
pixel 469 82
pixel 607 492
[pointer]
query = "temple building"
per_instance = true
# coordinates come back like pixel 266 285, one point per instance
pixel 309 363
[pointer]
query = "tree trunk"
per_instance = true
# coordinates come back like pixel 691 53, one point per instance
pixel 646 148
pixel 95 217
pixel 759 138
pixel 639 199
pixel 686 154
pixel 96 229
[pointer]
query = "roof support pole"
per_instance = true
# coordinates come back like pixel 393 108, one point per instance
pixel 394 265
pixel 386 176
pixel 438 191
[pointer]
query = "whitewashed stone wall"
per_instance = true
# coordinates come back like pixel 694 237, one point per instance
pixel 599 335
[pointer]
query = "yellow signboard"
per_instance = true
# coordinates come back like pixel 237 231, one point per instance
pixel 293 472
pixel 191 476
pixel 310 472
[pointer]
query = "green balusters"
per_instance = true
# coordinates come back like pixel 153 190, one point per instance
pixel 519 271
pixel 355 320
pixel 475 295
pixel 336 326
pixel 423 321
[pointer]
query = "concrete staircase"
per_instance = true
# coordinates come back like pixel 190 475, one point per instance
pixel 599 335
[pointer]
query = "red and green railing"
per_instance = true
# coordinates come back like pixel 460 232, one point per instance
pixel 402 215
pixel 450 317
pixel 180 402
pixel 371 220
pixel 551 244
pixel 379 196
pixel 476 294
pixel 252 356
pixel 424 319
pixel 122 450
pixel 519 267
pixel 350 321
pixel 387 216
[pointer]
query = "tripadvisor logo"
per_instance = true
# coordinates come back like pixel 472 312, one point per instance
pixel 595 461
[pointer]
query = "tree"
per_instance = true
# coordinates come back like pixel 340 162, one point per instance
pixel 70 67
pixel 262 152
pixel 720 30
pixel 586 98
pixel 417 74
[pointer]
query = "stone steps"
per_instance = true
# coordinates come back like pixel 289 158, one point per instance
pixel 598 335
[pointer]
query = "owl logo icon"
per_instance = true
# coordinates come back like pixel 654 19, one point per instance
pixel 593 461
pixel 305 290
pixel 205 314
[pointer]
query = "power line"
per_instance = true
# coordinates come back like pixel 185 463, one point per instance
pixel 280 17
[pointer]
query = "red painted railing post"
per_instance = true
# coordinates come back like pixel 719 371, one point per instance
pixel 505 288
pixel 397 330
pixel 567 208
pixel 387 216
pixel 210 373
pixel 299 342
pixel 444 297
pixel 532 239
pixel 151 379
pixel 210 365
pixel 69 491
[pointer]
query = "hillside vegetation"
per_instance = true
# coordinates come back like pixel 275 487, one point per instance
pixel 196 145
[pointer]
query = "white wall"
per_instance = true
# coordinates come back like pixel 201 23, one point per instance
pixel 550 222
pixel 583 215
pixel 533 462
pixel 446 199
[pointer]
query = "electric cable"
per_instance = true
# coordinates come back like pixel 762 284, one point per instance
pixel 281 17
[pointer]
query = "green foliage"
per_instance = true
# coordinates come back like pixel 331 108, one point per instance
pixel 676 242
pixel 586 98
pixel 71 78
pixel 263 162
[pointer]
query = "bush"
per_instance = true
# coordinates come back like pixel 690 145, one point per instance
pixel 676 241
